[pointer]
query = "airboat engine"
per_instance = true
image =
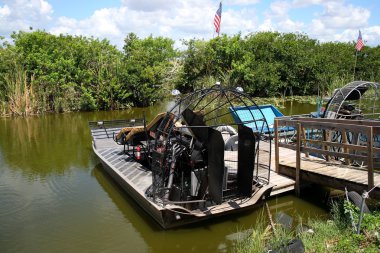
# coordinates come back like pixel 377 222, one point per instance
pixel 206 151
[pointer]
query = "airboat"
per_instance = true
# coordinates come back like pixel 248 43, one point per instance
pixel 356 100
pixel 194 162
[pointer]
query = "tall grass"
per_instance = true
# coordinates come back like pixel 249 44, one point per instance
pixel 263 237
pixel 332 235
pixel 19 93
pixel 337 83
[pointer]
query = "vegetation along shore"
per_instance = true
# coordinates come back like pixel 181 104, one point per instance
pixel 41 72
pixel 325 234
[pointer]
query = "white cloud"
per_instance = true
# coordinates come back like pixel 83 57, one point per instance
pixel 183 19
pixel 289 25
pixel 279 9
pixel 337 21
pixel 340 15
pixel 4 11
pixel 370 35
pixel 243 2
pixel 305 3
pixel 266 25
pixel 104 23
pixel 149 5
pixel 22 14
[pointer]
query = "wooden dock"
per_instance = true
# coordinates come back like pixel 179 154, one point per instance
pixel 340 153
pixel 330 173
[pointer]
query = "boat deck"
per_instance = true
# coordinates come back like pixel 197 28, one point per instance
pixel 135 173
pixel 115 156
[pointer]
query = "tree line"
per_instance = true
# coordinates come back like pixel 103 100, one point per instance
pixel 42 72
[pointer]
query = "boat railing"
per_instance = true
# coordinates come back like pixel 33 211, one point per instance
pixel 351 142
pixel 108 128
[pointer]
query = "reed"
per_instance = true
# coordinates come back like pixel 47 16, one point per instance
pixel 19 93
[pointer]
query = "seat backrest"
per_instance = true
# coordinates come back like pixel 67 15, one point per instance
pixel 232 143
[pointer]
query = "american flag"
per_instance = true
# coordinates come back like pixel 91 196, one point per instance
pixel 218 18
pixel 359 43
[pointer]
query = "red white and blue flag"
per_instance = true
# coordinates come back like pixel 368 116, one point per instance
pixel 218 18
pixel 359 43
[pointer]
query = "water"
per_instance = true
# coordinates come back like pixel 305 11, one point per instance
pixel 55 196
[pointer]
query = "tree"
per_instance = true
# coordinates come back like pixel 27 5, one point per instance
pixel 146 63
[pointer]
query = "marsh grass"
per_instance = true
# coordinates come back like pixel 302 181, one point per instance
pixel 19 93
pixel 280 102
pixel 334 234
pixel 263 237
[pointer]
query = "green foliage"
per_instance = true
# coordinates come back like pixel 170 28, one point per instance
pixel 334 235
pixel 87 102
pixel 147 62
pixel 67 73
pixel 42 72
pixel 272 63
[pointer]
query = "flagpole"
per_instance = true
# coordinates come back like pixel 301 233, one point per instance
pixel 359 45
pixel 356 59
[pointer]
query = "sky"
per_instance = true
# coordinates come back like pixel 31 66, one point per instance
pixel 325 20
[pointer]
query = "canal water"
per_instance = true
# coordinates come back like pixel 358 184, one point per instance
pixel 55 196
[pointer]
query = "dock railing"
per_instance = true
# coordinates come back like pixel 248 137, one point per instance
pixel 351 142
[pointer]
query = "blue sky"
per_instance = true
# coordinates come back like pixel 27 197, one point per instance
pixel 325 20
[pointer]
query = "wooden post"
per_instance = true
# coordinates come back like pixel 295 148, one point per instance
pixel 304 137
pixel 326 137
pixel 276 149
pixel 370 157
pixel 345 149
pixel 298 158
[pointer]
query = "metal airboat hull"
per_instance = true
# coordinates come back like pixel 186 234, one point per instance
pixel 168 216
pixel 197 161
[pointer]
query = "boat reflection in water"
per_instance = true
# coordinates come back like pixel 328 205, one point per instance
pixel 140 229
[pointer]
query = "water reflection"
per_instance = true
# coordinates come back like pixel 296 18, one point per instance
pixel 221 233
pixel 297 108
pixel 46 144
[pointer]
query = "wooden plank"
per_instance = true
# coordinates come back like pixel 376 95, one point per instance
pixel 276 147
pixel 336 154
pixel 304 138
pixel 333 127
pixel 345 148
pixel 339 121
pixel 287 146
pixel 298 159
pixel 309 165
pixel 325 147
pixel 338 144
pixel 370 158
